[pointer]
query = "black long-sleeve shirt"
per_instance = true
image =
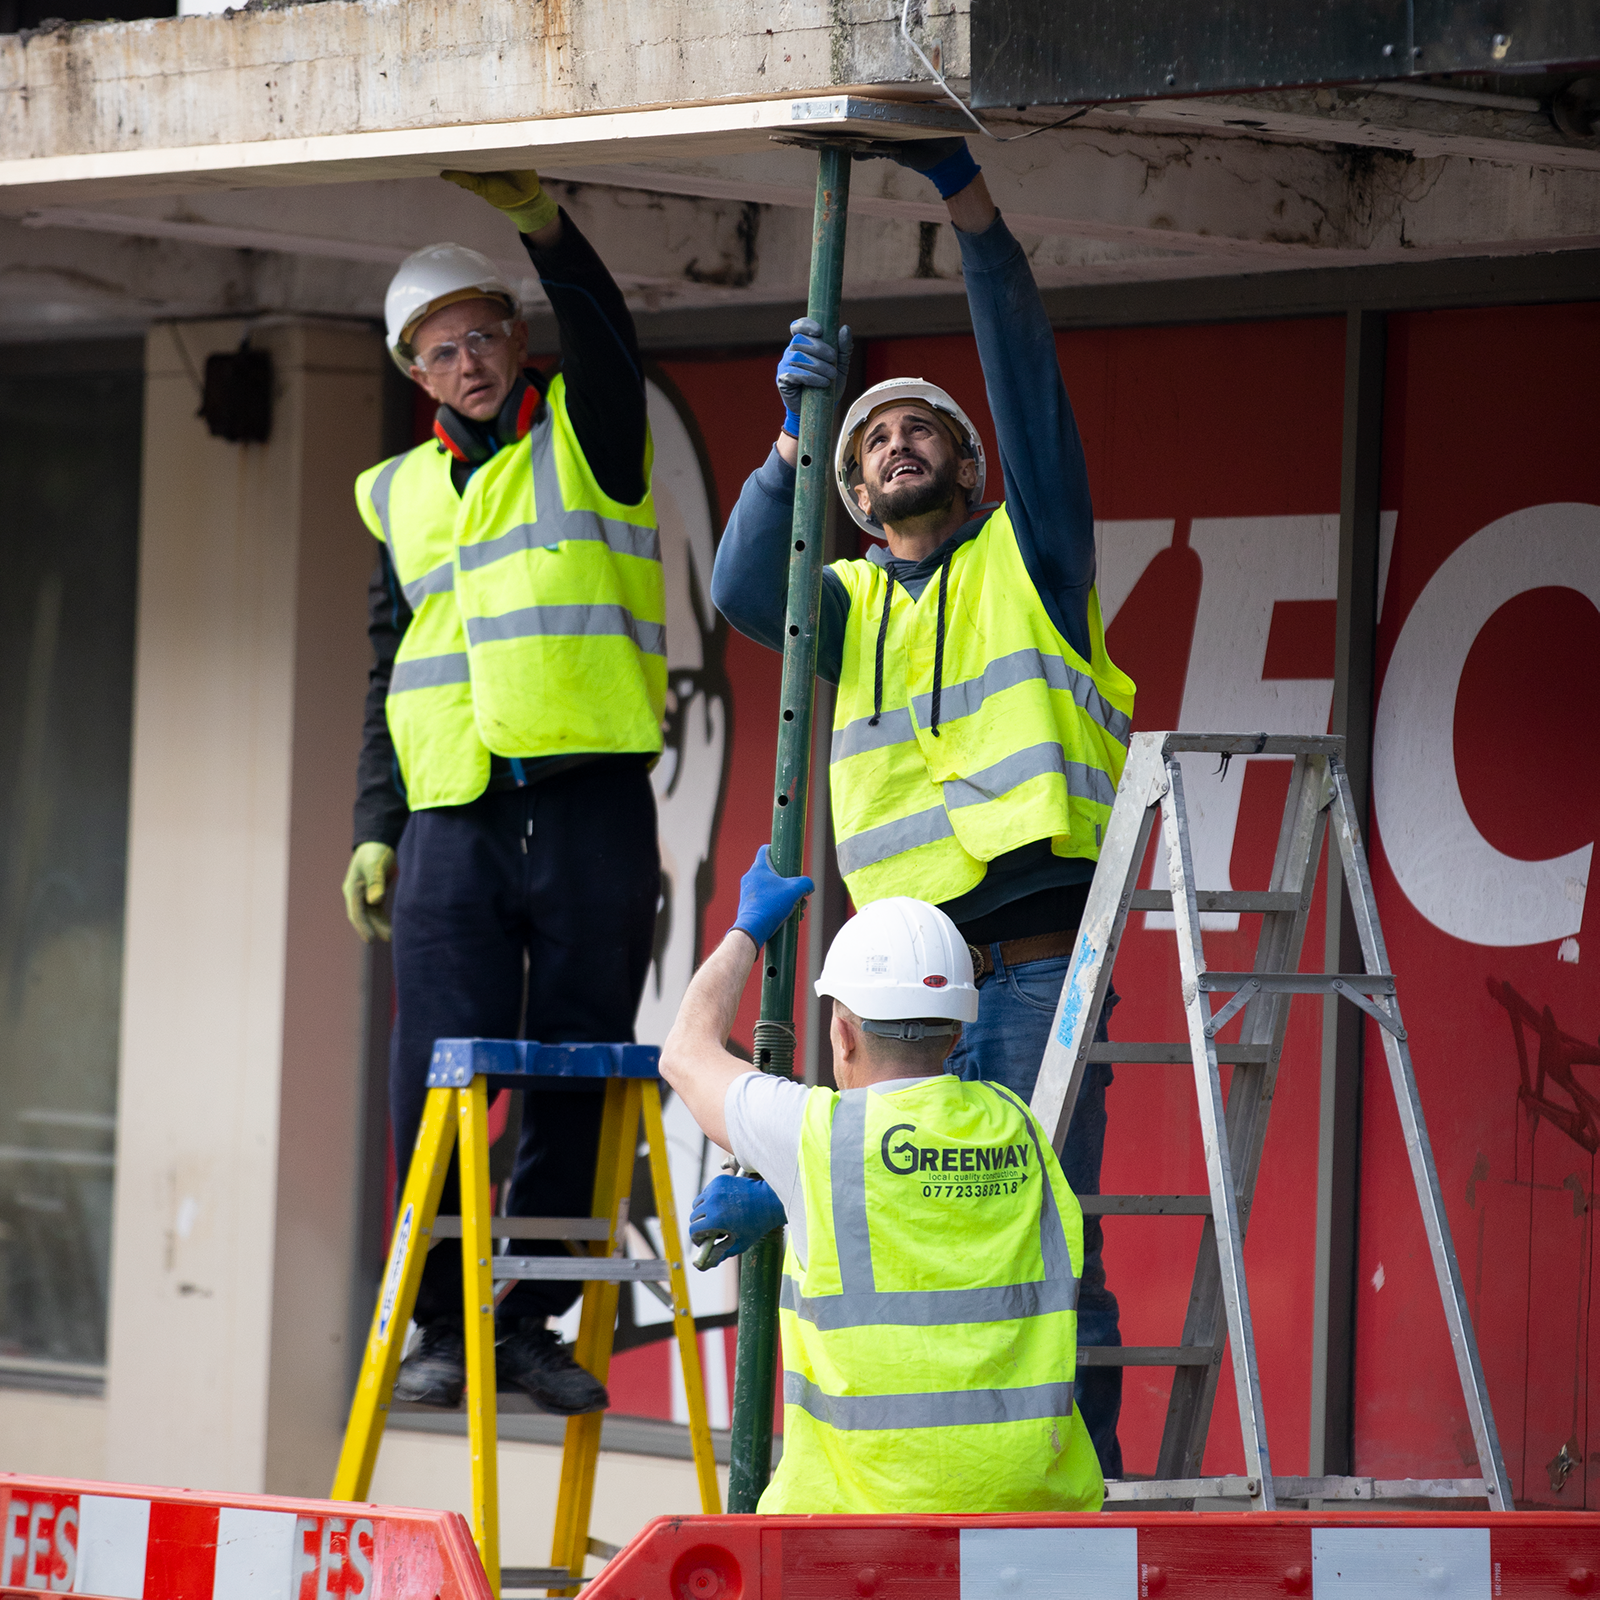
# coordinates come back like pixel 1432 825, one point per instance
pixel 606 401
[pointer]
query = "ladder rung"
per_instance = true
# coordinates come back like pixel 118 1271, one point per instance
pixel 1335 1488
pixel 530 1228
pixel 1235 1487
pixel 1297 982
pixel 1166 1053
pixel 578 1269
pixel 1218 900
pixel 1137 1491
pixel 1145 1205
pixel 1256 744
pixel 1143 1355
pixel 537 1578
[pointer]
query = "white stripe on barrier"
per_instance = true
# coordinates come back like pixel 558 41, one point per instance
pixel 255 1555
pixel 113 1533
pixel 1047 1563
pixel 1400 1563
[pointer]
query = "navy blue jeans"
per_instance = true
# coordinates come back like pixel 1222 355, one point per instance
pixel 1016 1006
pixel 529 913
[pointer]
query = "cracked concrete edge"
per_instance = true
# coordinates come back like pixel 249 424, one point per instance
pixel 361 65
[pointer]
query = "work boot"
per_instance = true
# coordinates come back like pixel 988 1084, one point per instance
pixel 532 1358
pixel 435 1372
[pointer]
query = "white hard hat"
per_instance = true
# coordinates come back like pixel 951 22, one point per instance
pixel 846 456
pixel 899 959
pixel 433 277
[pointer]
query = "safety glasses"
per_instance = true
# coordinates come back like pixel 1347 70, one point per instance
pixel 480 343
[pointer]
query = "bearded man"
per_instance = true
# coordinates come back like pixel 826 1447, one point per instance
pixel 980 727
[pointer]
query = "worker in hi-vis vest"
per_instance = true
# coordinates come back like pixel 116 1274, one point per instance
pixel 980 727
pixel 518 623
pixel 930 1274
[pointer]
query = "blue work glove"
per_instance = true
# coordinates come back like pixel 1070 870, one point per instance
pixel 730 1214
pixel 946 162
pixel 765 899
pixel 809 363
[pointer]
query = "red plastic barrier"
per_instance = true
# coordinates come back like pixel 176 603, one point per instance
pixel 118 1542
pixel 1528 1555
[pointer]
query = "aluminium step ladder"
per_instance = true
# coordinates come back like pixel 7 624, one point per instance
pixel 461 1078
pixel 1233 1133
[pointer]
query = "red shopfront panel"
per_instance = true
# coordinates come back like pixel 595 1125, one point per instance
pixel 1487 805
pixel 1214 457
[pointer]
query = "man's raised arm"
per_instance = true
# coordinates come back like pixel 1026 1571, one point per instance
pixel 1041 454
pixel 695 1059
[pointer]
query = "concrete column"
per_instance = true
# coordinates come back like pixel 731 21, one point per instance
pixel 238 1104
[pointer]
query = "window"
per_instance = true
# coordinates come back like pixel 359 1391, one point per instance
pixel 70 421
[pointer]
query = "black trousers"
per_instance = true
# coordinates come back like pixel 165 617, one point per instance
pixel 529 913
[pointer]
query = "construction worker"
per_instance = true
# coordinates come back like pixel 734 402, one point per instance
pixel 980 727
pixel 517 620
pixel 931 1269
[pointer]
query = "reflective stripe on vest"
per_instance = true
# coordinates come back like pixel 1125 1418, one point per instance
pixel 536 621
pixel 962 699
pixel 1030 739
pixel 563 600
pixel 539 618
pixel 622 538
pixel 947 1408
pixel 429 672
pixel 925 1269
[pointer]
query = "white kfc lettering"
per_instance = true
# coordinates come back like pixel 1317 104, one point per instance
pixel 1447 869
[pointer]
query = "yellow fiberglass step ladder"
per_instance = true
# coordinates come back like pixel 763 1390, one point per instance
pixel 464 1073
pixel 1233 1133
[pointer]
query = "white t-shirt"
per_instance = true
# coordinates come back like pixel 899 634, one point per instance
pixel 765 1115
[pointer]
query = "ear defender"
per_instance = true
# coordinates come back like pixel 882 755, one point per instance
pixel 476 442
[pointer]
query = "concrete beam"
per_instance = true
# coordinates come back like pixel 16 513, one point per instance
pixel 1092 205
pixel 330 250
pixel 1233 196
pixel 318 72
pixel 325 92
pixel 1402 118
pixel 285 158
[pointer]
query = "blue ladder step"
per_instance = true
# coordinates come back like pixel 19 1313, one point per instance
pixel 456 1062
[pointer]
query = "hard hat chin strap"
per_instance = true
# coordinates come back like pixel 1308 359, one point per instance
pixel 910 1031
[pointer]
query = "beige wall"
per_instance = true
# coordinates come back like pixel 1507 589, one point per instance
pixel 238 1110
pixel 52 1435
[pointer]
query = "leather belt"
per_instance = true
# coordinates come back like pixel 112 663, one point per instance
pixel 1014 952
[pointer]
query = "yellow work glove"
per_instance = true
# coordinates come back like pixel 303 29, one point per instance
pixel 518 194
pixel 366 884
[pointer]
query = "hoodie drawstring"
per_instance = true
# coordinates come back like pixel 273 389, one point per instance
pixel 883 634
pixel 938 647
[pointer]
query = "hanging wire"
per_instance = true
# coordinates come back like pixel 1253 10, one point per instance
pixel 188 365
pixel 963 107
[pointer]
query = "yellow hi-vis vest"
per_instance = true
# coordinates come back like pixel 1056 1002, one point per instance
pixel 930 1340
pixel 538 610
pixel 1030 742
